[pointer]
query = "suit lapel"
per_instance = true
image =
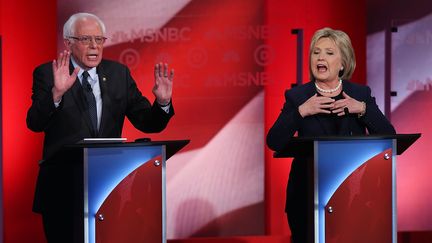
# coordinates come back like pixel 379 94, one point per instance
pixel 106 100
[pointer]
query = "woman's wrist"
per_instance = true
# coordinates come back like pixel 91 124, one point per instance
pixel 301 111
pixel 363 110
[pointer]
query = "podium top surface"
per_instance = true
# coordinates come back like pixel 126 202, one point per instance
pixel 172 146
pixel 299 146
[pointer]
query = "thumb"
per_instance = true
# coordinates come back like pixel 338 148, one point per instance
pixel 345 95
pixel 75 72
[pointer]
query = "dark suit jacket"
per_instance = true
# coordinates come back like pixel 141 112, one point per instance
pixel 290 121
pixel 70 122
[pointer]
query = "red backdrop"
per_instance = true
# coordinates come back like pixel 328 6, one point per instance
pixel 29 38
pixel 309 16
pixel 28 31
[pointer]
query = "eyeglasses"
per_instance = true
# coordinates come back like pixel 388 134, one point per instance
pixel 87 39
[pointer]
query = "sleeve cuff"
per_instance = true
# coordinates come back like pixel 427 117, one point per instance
pixel 165 107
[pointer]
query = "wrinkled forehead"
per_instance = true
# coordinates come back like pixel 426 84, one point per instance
pixel 87 26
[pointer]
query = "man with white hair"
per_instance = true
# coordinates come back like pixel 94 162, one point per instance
pixel 82 95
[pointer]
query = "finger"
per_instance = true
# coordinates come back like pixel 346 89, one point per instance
pixel 327 106
pixel 324 111
pixel 338 110
pixel 340 113
pixel 343 112
pixel 160 70
pixel 67 58
pixel 165 70
pixel 59 59
pixel 54 66
pixel 157 76
pixel 324 99
pixel 75 73
pixel 171 77
pixel 313 97
pixel 341 103
pixel 156 71
pixel 63 58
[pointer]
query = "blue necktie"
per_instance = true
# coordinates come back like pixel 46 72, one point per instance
pixel 91 101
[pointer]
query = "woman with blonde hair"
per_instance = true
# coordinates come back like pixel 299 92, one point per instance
pixel 328 105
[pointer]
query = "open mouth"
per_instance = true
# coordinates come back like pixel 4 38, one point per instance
pixel 92 56
pixel 321 68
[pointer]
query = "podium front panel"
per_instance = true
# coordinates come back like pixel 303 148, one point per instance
pixel 335 162
pixel 124 194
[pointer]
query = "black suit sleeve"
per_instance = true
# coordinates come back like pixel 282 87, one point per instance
pixel 144 116
pixel 374 119
pixel 42 107
pixel 286 124
pixel 290 121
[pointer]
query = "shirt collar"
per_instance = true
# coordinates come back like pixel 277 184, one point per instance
pixel 92 72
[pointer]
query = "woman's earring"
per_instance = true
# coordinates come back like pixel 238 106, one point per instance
pixel 341 71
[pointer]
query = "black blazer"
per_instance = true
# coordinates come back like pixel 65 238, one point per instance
pixel 70 122
pixel 290 121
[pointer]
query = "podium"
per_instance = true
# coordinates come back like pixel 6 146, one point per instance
pixel 124 192
pixel 352 184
